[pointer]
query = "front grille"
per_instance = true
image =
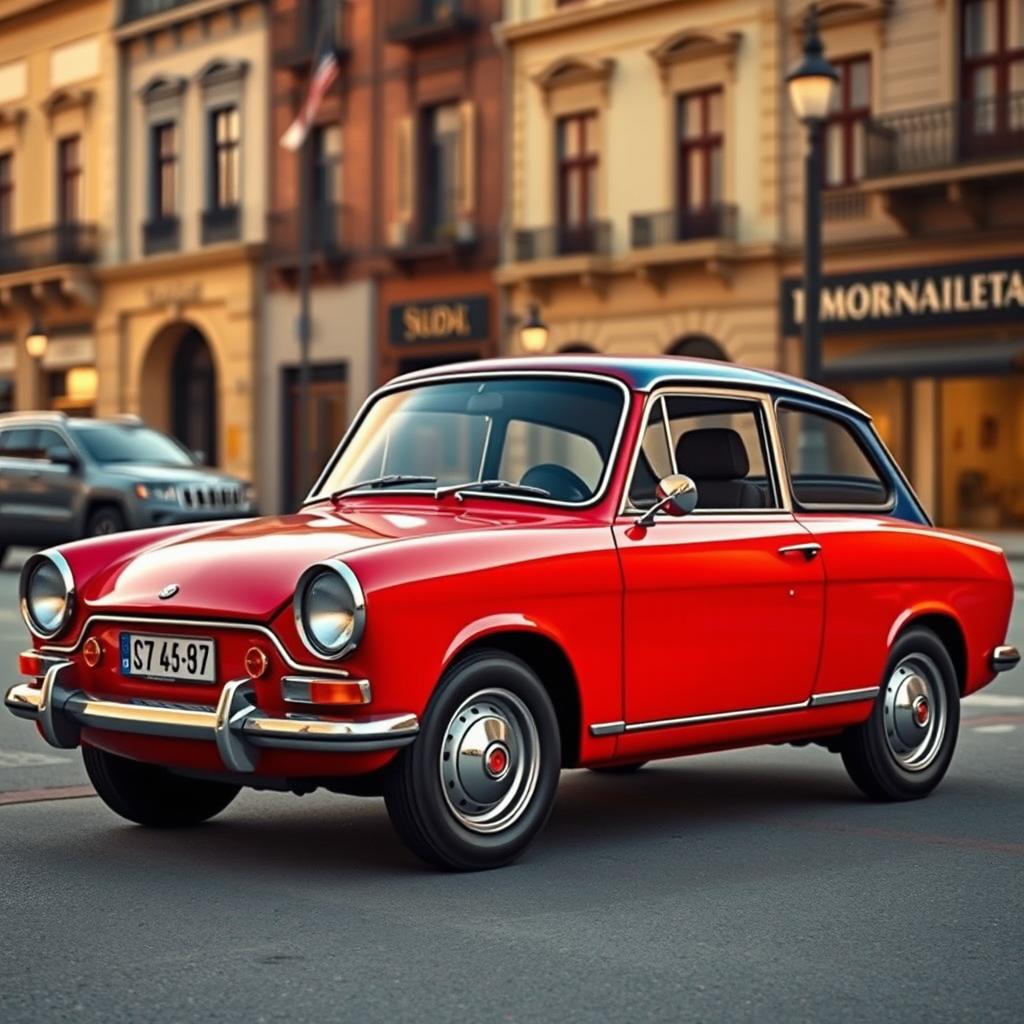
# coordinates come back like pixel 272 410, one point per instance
pixel 214 497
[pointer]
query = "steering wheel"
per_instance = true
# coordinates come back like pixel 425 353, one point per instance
pixel 559 482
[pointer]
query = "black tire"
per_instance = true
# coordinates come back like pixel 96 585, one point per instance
pixel 150 795
pixel 105 520
pixel 619 769
pixel 428 778
pixel 869 751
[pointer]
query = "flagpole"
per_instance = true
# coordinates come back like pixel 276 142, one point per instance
pixel 303 325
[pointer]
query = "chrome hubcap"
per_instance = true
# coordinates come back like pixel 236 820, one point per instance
pixel 490 761
pixel 915 712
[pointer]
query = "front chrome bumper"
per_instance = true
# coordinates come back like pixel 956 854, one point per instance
pixel 236 725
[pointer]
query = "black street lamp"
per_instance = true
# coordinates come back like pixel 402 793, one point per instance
pixel 812 84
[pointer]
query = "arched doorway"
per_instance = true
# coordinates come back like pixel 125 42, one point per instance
pixel 179 388
pixel 698 346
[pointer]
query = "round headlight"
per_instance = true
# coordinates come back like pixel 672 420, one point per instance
pixel 47 594
pixel 330 610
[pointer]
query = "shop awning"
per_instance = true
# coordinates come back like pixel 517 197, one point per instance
pixel 946 359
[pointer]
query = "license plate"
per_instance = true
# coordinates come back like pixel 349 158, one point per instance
pixel 180 659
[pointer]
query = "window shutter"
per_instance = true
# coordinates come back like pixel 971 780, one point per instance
pixel 406 156
pixel 467 159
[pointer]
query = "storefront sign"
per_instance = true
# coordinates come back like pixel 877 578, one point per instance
pixel 962 293
pixel 461 319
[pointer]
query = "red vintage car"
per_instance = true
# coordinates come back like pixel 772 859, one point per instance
pixel 514 567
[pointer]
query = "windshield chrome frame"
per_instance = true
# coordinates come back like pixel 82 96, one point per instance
pixel 315 494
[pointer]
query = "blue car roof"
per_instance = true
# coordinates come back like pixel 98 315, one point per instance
pixel 642 373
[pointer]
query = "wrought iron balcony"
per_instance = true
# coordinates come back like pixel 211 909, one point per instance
pixel 295 33
pixel 415 22
pixel 222 224
pixel 671 226
pixel 134 10
pixel 161 235
pixel 328 235
pixel 62 243
pixel 939 137
pixel 593 239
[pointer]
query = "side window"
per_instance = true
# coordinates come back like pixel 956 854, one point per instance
pixel 20 443
pixel 47 440
pixel 532 446
pixel 828 466
pixel 718 442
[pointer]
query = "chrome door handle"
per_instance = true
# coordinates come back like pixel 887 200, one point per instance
pixel 809 551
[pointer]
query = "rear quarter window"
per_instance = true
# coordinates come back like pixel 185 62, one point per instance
pixel 829 464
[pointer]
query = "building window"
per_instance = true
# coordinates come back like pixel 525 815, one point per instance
pixel 700 150
pixel 225 150
pixel 844 131
pixel 69 180
pixel 440 182
pixel 327 154
pixel 6 194
pixel 578 161
pixel 992 73
pixel 164 172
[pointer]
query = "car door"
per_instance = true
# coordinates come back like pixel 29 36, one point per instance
pixel 53 490
pixel 18 461
pixel 723 608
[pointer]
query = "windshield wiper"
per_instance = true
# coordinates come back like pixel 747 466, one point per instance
pixel 391 480
pixel 491 485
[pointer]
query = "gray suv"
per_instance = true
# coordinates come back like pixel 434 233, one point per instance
pixel 63 478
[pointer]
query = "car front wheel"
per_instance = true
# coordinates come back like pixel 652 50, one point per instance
pixel 479 782
pixel 903 750
pixel 150 795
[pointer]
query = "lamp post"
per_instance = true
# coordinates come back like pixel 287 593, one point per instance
pixel 36 341
pixel 811 85
pixel 533 335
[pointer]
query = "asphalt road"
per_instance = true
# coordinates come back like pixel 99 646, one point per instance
pixel 750 886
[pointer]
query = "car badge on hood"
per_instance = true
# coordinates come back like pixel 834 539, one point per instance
pixel 169 591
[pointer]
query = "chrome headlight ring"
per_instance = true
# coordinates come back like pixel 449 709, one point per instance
pixel 330 609
pixel 46 592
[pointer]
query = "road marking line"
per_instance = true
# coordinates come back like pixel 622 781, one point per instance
pixel 33 796
pixel 999 728
pixel 993 700
pixel 28 759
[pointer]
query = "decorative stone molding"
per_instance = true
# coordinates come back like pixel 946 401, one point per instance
pixel 163 87
pixel 575 71
pixel 695 45
pixel 12 116
pixel 836 13
pixel 66 99
pixel 220 71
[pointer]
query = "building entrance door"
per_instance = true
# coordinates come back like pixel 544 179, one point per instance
pixel 328 418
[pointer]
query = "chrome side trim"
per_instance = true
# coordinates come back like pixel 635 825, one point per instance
pixel 1005 657
pixel 150 620
pixel 816 700
pixel 819 700
pixel 404 384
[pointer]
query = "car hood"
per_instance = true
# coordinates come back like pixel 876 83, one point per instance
pixel 248 569
pixel 146 472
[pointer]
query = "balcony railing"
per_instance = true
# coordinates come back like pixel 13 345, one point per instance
pixel 670 226
pixel 593 239
pixel 935 138
pixel 425 21
pixel 221 224
pixel 328 240
pixel 133 10
pixel 62 243
pixel 161 235
pixel 295 33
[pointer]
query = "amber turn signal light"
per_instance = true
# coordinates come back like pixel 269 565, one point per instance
pixel 299 690
pixel 92 652
pixel 256 663
pixel 30 664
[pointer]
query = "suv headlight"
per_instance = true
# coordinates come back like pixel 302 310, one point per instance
pixel 330 609
pixel 157 492
pixel 47 592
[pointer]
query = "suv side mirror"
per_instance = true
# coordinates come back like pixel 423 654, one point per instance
pixel 200 456
pixel 676 494
pixel 61 455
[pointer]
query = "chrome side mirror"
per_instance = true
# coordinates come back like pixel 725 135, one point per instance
pixel 676 494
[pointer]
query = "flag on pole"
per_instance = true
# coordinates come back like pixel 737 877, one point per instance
pixel 325 71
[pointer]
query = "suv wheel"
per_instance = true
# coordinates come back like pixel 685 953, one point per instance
pixel 105 520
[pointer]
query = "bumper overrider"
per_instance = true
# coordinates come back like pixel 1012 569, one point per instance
pixel 237 726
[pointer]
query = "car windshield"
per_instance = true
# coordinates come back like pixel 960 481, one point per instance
pixel 109 443
pixel 552 435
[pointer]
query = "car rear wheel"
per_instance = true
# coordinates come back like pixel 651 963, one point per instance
pixel 150 795
pixel 479 782
pixel 104 521
pixel 903 750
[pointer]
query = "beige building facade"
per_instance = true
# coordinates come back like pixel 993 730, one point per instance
pixel 180 319
pixel 57 195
